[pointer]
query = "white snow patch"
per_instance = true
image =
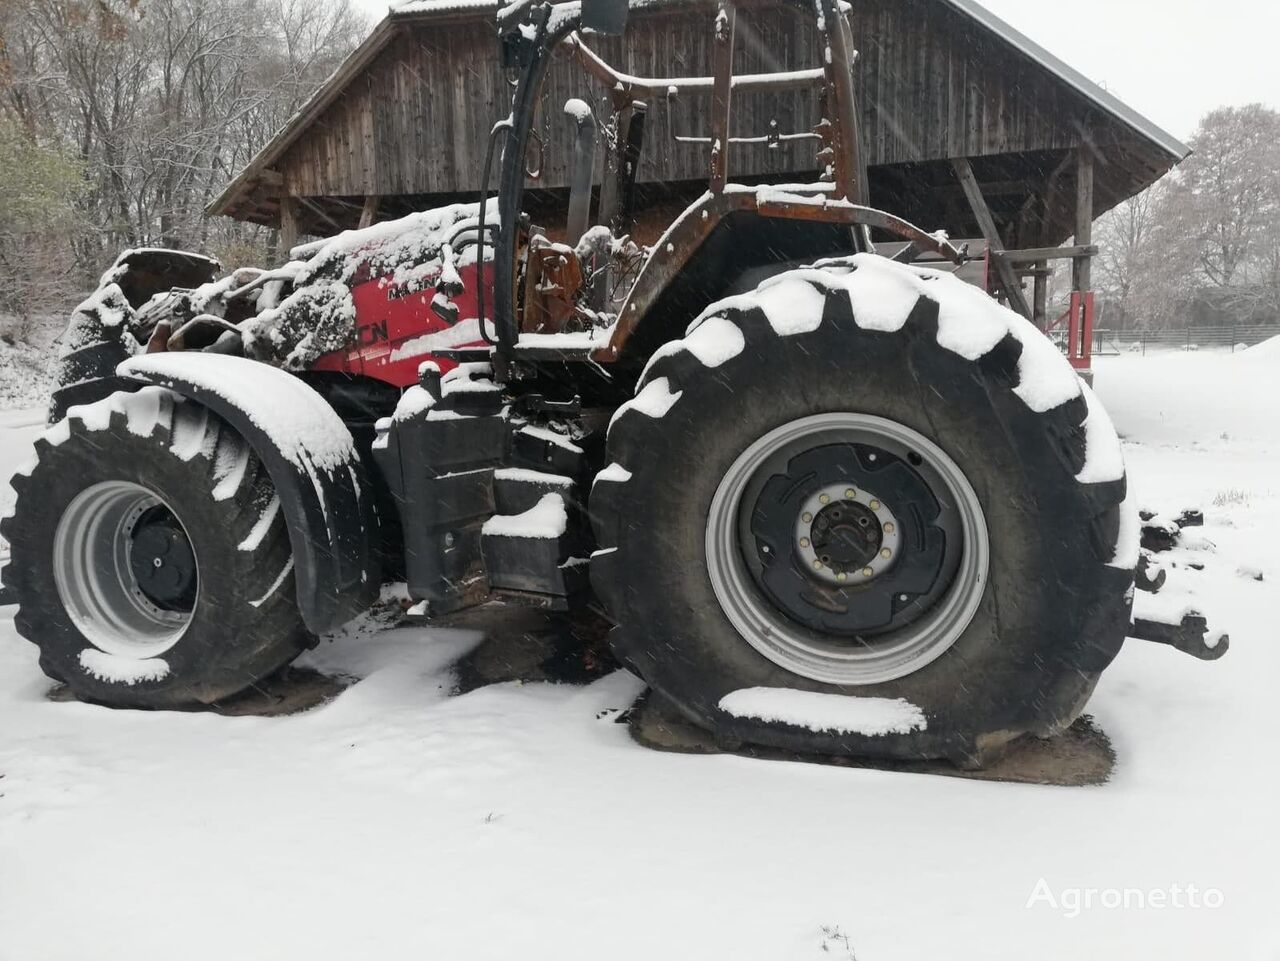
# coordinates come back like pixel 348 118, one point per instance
pixel 542 433
pixel 1103 457
pixel 414 401
pixel 462 334
pixel 817 711
pixel 229 470
pixel 189 432
pixel 715 341
pixel 1127 547
pixel 654 400
pixel 615 473
pixel 524 475
pixel 261 526
pixel 303 428
pixel 545 519
pixel 117 669
pixel 275 585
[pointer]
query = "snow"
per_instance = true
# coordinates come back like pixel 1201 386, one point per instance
pixel 613 474
pixel 26 371
pixel 545 519
pixel 121 669
pixel 655 399
pixel 523 475
pixel 1104 458
pixel 542 433
pixel 816 711
pixel 275 585
pixel 882 293
pixel 260 527
pixel 579 110
pixel 713 342
pixel 303 427
pixel 519 820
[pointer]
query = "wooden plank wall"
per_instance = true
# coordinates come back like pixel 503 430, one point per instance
pixel 933 87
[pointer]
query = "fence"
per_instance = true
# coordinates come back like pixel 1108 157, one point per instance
pixel 1188 338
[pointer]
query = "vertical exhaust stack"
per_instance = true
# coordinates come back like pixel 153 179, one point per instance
pixel 580 168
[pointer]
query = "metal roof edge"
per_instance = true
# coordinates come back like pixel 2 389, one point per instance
pixel 1073 78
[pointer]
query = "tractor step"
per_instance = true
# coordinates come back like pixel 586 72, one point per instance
pixel 533 551
pixel 518 489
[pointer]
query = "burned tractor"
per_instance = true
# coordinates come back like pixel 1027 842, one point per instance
pixel 832 500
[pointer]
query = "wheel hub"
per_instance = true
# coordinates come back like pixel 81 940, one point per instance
pixel 161 560
pixel 846 534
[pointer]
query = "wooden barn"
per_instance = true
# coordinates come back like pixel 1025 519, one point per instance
pixel 968 125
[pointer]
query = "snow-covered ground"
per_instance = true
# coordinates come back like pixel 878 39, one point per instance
pixel 519 821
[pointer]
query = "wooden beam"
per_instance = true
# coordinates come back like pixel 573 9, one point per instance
pixel 369 212
pixel 987 224
pixel 1032 254
pixel 1082 275
pixel 288 224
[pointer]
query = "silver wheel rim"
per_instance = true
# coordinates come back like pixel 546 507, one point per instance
pixel 802 650
pixel 92 550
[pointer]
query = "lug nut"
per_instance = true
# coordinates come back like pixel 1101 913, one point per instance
pixel 824 499
pixel 806 517
pixel 874 505
pixel 817 565
pixel 867 572
pixel 886 553
pixel 850 494
pixel 804 542
pixel 888 527
pixel 842 577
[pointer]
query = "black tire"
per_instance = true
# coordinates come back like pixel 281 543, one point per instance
pixel 1054 610
pixel 243 622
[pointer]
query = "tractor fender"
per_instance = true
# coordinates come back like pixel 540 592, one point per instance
pixel 312 461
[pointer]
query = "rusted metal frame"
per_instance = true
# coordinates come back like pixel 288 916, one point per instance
pixel 687 234
pixel 996 247
pixel 722 95
pixel 848 171
pixel 610 200
pixel 632 87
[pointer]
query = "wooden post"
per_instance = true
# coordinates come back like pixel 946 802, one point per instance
pixel 722 98
pixel 1082 271
pixel 1040 299
pixel 369 212
pixel 288 224
pixel 987 224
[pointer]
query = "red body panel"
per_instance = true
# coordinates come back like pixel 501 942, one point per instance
pixel 396 332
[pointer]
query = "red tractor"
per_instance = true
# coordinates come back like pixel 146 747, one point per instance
pixel 833 501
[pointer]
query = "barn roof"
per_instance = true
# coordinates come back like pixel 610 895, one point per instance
pixel 259 180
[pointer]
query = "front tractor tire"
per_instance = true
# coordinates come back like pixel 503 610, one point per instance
pixel 868 511
pixel 149 556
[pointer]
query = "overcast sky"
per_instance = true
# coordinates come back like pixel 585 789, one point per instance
pixel 1172 60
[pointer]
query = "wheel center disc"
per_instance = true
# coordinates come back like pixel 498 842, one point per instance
pixel 847 548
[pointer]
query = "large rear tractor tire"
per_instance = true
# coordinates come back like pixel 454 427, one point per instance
pixel 149 556
pixel 865 510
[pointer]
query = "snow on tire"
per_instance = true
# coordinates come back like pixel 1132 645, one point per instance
pixel 149 556
pixel 863 495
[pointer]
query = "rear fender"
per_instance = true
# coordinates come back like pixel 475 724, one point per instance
pixel 312 461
